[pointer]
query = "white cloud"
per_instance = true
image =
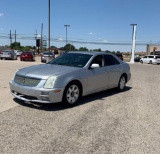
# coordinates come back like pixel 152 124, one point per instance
pixel 91 33
pixel 105 40
pixel 1 14
pixel 59 39
pixel 1 29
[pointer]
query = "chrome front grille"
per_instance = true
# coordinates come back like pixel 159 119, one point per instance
pixel 26 81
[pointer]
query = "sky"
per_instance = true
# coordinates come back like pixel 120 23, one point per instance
pixel 100 21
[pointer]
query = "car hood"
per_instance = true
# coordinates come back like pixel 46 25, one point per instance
pixel 43 71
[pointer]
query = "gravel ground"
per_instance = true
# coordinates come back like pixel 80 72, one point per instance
pixel 104 123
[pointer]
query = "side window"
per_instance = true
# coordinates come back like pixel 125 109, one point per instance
pixel 110 60
pixel 150 56
pixel 98 60
pixel 145 57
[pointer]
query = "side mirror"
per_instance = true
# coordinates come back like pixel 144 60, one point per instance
pixel 94 66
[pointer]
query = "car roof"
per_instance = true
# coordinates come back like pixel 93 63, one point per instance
pixel 90 52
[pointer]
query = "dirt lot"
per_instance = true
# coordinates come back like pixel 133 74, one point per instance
pixel 105 123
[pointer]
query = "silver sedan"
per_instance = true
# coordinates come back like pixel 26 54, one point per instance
pixel 69 77
pixel 8 54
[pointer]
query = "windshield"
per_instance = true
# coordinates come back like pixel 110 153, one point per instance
pixel 47 53
pixel 71 59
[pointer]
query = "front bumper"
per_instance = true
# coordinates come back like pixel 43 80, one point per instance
pixel 36 94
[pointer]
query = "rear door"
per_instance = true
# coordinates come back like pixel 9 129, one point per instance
pixel 113 70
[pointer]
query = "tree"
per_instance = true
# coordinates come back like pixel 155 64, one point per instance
pixel 107 51
pixel 15 45
pixel 83 49
pixel 97 50
pixel 69 47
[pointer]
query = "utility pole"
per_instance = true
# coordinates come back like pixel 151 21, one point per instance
pixel 15 40
pixel 66 34
pixel 49 25
pixel 10 37
pixel 36 40
pixel 41 37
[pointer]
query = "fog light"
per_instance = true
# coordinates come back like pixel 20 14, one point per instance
pixel 45 98
pixel 44 93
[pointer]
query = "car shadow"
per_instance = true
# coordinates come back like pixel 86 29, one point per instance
pixel 61 106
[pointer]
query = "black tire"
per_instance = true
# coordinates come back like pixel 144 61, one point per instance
pixel 141 61
pixel 150 62
pixel 122 83
pixel 72 94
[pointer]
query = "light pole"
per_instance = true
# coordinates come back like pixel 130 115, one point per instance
pixel 66 33
pixel 49 25
pixel 48 58
pixel 133 42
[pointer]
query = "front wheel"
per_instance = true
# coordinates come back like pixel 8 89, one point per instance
pixel 141 61
pixel 71 94
pixel 122 83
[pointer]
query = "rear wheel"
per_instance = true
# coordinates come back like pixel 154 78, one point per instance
pixel 141 61
pixel 72 93
pixel 122 83
pixel 150 62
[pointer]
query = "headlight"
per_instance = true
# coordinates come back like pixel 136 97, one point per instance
pixel 50 82
pixel 14 75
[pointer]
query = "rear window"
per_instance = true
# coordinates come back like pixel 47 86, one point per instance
pixel 7 51
pixel 47 53
pixel 27 52
pixel 157 57
pixel 150 56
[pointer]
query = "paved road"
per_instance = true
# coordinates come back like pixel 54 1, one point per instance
pixel 103 123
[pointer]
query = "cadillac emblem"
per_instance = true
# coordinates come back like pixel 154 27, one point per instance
pixel 23 81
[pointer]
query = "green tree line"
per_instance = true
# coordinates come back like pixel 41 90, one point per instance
pixel 67 47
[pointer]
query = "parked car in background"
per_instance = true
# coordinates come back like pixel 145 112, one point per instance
pixel 150 59
pixel 18 52
pixel 120 56
pixel 27 55
pixel 8 54
pixel 47 56
pixel 137 58
pixel 70 76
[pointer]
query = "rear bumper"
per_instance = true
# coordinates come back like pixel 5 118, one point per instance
pixel 5 56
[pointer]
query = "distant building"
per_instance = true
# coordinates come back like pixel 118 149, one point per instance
pixel 57 50
pixel 2 48
pixel 153 49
